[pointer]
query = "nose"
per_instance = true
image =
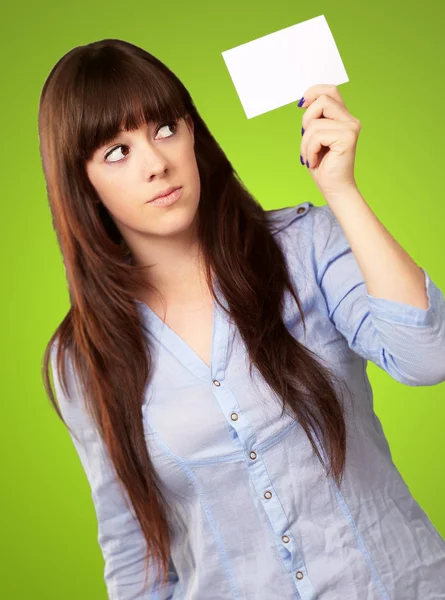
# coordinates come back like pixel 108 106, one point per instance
pixel 154 161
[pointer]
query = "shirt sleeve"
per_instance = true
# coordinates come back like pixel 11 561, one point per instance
pixel 119 534
pixel 406 341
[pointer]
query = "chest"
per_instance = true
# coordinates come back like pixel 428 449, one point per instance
pixel 190 416
pixel 194 325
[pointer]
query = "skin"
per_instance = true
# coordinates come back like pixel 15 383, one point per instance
pixel 329 144
pixel 151 159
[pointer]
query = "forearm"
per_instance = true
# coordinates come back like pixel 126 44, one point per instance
pixel 388 270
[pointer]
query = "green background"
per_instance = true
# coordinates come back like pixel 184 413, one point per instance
pixel 394 55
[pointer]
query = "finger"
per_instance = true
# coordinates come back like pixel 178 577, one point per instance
pixel 328 138
pixel 315 91
pixel 322 125
pixel 328 108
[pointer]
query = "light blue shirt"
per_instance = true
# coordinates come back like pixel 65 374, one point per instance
pixel 252 514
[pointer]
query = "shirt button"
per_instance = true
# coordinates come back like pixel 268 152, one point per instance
pixel 217 383
pixel 252 455
pixel 300 210
pixel 285 539
pixel 268 495
pixel 234 416
pixel 299 575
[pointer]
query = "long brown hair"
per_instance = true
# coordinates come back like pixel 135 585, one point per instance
pixel 87 95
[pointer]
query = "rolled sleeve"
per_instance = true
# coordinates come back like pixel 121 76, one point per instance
pixel 406 341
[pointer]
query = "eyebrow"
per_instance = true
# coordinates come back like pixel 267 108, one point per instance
pixel 120 132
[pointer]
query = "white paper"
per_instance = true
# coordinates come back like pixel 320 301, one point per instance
pixel 276 69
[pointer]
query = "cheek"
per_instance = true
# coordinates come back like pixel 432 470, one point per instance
pixel 192 171
pixel 110 190
pixel 121 203
pixel 194 182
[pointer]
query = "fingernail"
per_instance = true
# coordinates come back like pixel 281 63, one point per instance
pixel 302 130
pixel 307 164
pixel 301 160
pixel 300 104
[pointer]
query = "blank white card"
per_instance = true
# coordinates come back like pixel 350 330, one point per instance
pixel 276 69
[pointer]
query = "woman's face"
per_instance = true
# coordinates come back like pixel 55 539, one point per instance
pixel 140 164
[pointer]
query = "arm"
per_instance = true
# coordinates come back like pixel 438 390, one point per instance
pixel 119 535
pixel 388 270
pixel 389 328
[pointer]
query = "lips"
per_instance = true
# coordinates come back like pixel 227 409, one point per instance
pixel 166 192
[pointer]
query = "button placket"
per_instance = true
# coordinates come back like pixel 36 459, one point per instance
pixel 303 583
pixel 289 553
pixel 233 415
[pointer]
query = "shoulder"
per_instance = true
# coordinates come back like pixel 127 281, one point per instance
pixel 280 219
pixel 316 221
pixel 307 233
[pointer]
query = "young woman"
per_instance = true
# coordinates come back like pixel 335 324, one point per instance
pixel 211 369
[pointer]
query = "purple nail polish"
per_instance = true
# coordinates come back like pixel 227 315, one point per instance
pixel 302 130
pixel 307 164
pixel 300 104
pixel 301 160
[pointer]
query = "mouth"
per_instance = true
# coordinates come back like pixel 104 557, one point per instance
pixel 167 199
pixel 166 193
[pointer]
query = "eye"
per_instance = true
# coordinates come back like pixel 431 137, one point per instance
pixel 172 125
